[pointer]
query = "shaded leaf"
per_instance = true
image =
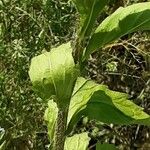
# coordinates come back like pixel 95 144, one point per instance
pixel 123 21
pixel 105 146
pixel 123 111
pixel 89 11
pixel 77 142
pixel 54 73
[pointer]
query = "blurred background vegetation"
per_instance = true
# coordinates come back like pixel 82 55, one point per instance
pixel 30 27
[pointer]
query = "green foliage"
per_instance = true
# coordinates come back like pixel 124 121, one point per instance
pixel 123 21
pixel 105 146
pixel 26 30
pixel 57 75
pixel 89 11
pixel 54 73
pixel 83 90
pixel 98 102
pixel 109 102
pixel 50 116
pixel 77 142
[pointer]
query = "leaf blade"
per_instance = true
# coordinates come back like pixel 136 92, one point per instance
pixel 105 146
pixel 50 116
pixel 89 11
pixel 54 73
pixel 82 92
pixel 122 110
pixel 123 21
pixel 77 142
pixel 98 102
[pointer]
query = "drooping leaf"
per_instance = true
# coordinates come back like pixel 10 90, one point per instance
pixel 123 111
pixel 77 142
pixel 98 102
pixel 54 73
pixel 89 11
pixel 123 21
pixel 105 146
pixel 50 117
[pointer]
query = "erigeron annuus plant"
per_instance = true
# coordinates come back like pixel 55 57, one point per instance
pixel 57 76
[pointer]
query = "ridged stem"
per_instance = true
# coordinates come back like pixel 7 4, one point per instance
pixel 59 138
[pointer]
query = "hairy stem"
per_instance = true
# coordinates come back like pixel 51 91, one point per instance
pixel 59 138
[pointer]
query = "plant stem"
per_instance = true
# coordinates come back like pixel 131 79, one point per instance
pixel 59 138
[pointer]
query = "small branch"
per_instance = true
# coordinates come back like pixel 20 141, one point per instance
pixel 120 74
pixel 143 90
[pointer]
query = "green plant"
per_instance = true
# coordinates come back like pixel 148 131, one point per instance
pixel 26 29
pixel 56 76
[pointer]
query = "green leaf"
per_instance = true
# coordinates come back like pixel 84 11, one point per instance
pixel 98 102
pixel 106 102
pixel 50 117
pixel 77 142
pixel 105 146
pixel 123 21
pixel 83 91
pixel 89 11
pixel 54 73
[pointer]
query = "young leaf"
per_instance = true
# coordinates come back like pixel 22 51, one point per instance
pixel 89 11
pixel 77 142
pixel 98 102
pixel 50 117
pixel 123 21
pixel 54 73
pixel 105 146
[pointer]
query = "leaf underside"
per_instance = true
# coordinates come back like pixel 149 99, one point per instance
pixel 50 117
pixel 77 142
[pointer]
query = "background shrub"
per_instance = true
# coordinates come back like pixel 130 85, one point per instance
pixel 30 27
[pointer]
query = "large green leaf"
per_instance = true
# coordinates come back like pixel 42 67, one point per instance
pixel 83 91
pixel 89 11
pixel 50 117
pixel 121 22
pixel 77 142
pixel 54 73
pixel 98 102
pixel 105 146
pixel 123 111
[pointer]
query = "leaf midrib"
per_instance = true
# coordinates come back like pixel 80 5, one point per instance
pixel 88 22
